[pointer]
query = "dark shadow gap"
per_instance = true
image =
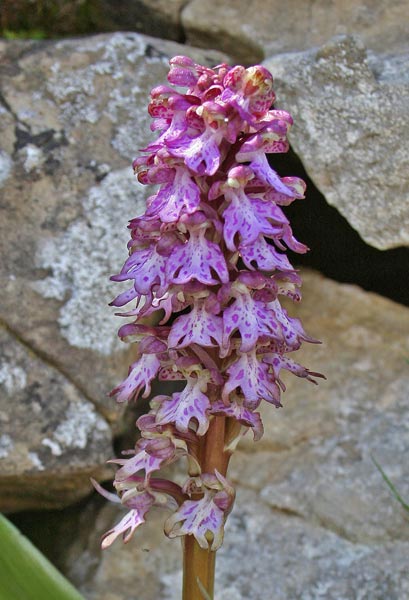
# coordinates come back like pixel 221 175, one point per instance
pixel 337 250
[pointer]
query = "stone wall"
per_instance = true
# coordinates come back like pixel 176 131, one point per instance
pixel 313 518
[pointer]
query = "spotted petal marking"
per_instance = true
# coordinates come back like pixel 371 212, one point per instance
pixel 244 220
pixel 150 456
pixel 243 415
pixel 197 327
pixel 252 376
pixel 181 194
pixel 197 259
pixel 146 268
pixel 264 255
pixel 182 407
pixel 141 504
pixel 140 375
pixel 205 516
pixel 202 153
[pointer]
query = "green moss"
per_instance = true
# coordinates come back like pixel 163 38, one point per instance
pixel 30 34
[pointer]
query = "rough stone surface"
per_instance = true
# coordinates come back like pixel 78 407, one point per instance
pixel 250 31
pixel 160 18
pixel 351 132
pixel 268 554
pixel 313 517
pixel 323 439
pixel 73 116
pixel 51 437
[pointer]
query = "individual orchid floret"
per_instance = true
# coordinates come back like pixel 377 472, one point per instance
pixel 199 326
pixel 249 374
pixel 178 196
pixel 186 409
pixel 250 91
pixel 141 374
pixel 139 505
pixel 204 518
pixel 198 258
pixel 150 455
pixel 235 409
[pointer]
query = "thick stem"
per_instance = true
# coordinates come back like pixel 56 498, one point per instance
pixel 199 564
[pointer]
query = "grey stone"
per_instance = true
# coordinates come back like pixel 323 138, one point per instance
pixel 268 554
pixel 351 132
pixel 52 439
pixel 315 460
pixel 73 116
pixel 251 31
pixel 313 517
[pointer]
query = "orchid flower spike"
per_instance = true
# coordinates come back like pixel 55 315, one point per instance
pixel 207 265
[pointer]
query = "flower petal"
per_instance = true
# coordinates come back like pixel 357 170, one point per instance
pixel 206 516
pixel 182 407
pixel 197 259
pixel 141 373
pixel 254 379
pixel 131 521
pixel 243 415
pixel 264 255
pixel 197 327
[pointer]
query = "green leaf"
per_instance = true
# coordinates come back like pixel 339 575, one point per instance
pixel 390 485
pixel 25 573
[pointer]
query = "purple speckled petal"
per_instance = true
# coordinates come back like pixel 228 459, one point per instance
pixel 205 516
pixel 252 318
pixel 199 327
pixel 135 517
pixel 140 376
pixel 241 316
pixel 180 194
pixel 262 169
pixel 197 259
pixel 124 298
pixel 202 153
pixel 150 456
pixel 174 133
pixel 182 407
pixel 264 255
pixel 242 414
pixel 292 332
pixel 253 377
pixel 246 219
pixel 146 267
pixel 278 362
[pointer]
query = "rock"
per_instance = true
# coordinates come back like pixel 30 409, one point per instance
pixel 313 517
pixel 251 31
pixel 317 453
pixel 268 550
pixel 123 570
pixel 52 439
pixel 160 18
pixel 73 116
pixel 351 132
